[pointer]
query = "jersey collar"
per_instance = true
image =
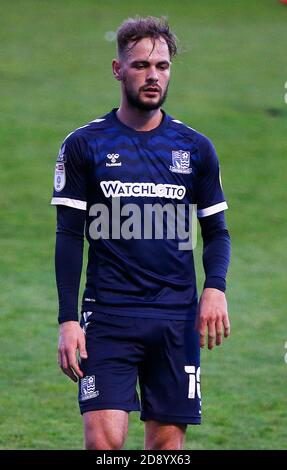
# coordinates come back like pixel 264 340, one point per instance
pixel 130 130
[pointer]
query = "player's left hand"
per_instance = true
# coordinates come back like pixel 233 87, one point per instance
pixel 212 317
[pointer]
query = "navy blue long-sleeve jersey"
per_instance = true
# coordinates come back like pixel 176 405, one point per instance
pixel 106 168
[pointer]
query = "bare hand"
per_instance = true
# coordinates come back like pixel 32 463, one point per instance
pixel 212 315
pixel 71 339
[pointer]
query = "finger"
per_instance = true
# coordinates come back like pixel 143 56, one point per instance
pixel 202 332
pixel 73 364
pixel 65 367
pixel 62 359
pixel 202 341
pixel 70 373
pixel 218 332
pixel 211 334
pixel 82 349
pixel 59 359
pixel 63 363
pixel 226 325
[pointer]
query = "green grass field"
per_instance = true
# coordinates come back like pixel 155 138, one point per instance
pixel 228 82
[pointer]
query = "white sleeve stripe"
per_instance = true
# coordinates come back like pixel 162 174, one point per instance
pixel 185 125
pixel 82 127
pixel 221 206
pixel 64 201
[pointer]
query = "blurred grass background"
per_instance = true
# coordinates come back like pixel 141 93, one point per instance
pixel 228 82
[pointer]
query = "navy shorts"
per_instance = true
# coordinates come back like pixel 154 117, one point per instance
pixel 162 356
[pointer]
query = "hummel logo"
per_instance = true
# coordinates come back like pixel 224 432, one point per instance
pixel 113 158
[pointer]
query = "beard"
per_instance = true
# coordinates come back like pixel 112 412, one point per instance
pixel 134 99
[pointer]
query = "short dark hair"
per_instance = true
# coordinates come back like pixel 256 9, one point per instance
pixel 137 28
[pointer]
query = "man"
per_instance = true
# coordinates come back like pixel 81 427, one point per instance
pixel 140 301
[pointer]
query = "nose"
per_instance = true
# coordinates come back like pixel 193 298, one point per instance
pixel 152 76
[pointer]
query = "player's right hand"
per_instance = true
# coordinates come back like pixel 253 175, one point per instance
pixel 212 316
pixel 71 339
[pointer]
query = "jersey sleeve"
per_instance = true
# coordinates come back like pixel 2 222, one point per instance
pixel 209 193
pixel 70 182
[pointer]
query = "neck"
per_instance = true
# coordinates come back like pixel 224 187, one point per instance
pixel 139 119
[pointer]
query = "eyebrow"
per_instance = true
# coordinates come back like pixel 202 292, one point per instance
pixel 146 62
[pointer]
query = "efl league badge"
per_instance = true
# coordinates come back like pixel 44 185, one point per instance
pixel 60 176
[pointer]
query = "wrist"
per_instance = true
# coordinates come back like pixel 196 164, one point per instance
pixel 212 294
pixel 68 324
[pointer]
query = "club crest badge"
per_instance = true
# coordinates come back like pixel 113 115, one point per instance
pixel 88 388
pixel 180 162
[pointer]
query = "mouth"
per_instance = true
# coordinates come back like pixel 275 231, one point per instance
pixel 152 91
pixel 151 88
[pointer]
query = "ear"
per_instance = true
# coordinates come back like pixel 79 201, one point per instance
pixel 116 67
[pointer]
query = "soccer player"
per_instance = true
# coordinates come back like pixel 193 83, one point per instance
pixel 124 177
